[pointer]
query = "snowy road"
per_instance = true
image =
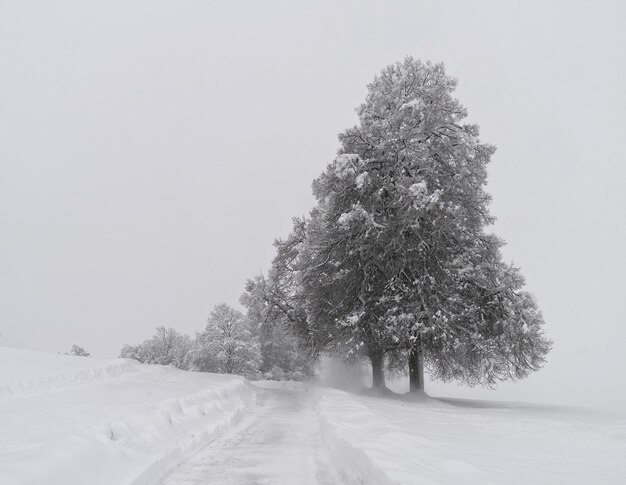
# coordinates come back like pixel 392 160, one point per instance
pixel 278 442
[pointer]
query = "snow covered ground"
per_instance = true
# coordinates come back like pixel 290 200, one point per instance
pixel 427 441
pixel 74 420
pixel 78 420
pixel 278 442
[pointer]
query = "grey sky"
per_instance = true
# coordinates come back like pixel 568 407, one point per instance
pixel 151 151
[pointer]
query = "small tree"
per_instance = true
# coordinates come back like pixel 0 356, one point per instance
pixel 166 347
pixel 227 345
pixel 78 351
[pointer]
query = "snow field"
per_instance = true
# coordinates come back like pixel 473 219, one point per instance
pixel 76 420
pixel 376 440
pixel 28 372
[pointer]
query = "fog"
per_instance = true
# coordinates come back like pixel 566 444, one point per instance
pixel 150 153
pixel 348 376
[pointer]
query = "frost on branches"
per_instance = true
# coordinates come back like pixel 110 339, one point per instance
pixel 166 347
pixel 394 264
pixel 282 356
pixel 227 345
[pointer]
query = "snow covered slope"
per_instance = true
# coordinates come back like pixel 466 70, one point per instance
pixel 383 441
pixel 77 420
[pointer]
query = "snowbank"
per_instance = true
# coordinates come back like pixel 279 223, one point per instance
pixel 75 420
pixel 387 441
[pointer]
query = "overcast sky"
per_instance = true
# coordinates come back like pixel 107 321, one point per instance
pixel 151 151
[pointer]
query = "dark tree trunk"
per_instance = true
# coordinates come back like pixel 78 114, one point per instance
pixel 378 371
pixel 416 368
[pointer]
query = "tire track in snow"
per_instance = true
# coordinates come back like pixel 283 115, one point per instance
pixel 278 443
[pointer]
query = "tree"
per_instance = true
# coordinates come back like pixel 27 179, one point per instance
pixel 166 347
pixel 78 351
pixel 227 345
pixel 330 292
pixel 395 259
pixel 282 358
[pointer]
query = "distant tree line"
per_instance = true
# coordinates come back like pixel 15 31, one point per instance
pixel 231 343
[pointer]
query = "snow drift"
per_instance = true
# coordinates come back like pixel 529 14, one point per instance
pixel 390 440
pixel 76 420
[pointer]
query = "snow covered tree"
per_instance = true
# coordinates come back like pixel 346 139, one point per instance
pixel 227 345
pixel 395 258
pixel 78 351
pixel 327 283
pixel 282 357
pixel 166 347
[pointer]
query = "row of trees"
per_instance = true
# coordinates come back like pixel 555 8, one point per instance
pixel 394 263
pixel 231 343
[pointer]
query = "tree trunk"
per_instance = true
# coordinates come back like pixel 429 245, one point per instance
pixel 378 372
pixel 416 368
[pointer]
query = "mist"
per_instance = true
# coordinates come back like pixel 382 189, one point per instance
pixel 150 153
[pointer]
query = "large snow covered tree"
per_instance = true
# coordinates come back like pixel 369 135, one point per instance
pixel 395 258
pixel 227 344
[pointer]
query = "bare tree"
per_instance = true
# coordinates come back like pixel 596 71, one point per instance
pixel 166 347
pixel 227 345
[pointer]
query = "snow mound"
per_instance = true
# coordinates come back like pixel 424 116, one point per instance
pixel 75 420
